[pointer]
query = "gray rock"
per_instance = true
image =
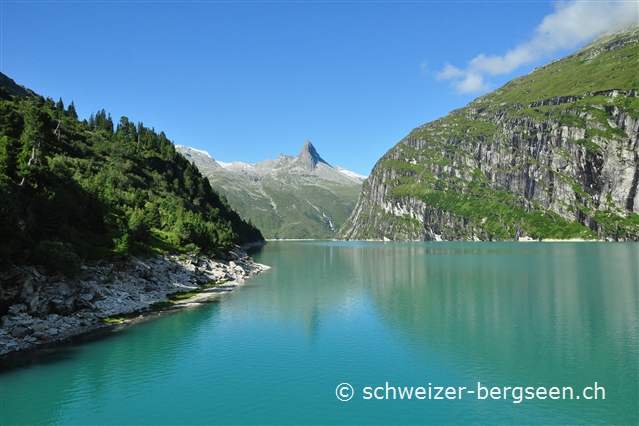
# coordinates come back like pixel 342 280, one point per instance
pixel 63 306
pixel 32 301
pixel 15 309
pixel 41 335
pixel 20 332
pixel 27 288
pixel 63 289
pixel 87 297
pixel 69 307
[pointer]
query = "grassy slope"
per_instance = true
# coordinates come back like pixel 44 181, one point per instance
pixel 279 207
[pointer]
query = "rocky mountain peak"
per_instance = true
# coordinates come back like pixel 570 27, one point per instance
pixel 200 158
pixel 308 157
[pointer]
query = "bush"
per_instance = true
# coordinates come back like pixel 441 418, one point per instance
pixel 123 245
pixel 56 256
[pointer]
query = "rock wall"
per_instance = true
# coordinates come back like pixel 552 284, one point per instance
pixel 550 166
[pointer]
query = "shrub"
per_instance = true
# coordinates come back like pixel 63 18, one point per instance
pixel 56 256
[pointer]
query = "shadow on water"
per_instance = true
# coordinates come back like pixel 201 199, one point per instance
pixel 255 248
pixel 130 358
pixel 71 347
pixel 50 353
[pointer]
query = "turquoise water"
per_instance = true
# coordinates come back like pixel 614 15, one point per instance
pixel 419 314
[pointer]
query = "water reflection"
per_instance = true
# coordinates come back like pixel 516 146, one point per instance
pixel 563 314
pixel 503 313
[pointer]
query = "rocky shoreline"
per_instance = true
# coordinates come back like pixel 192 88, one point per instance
pixel 38 309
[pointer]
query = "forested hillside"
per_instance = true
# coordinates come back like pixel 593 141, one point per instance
pixel 72 189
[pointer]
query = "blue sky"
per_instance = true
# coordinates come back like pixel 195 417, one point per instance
pixel 247 81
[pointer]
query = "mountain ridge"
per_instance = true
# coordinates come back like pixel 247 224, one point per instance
pixel 308 158
pixel 291 197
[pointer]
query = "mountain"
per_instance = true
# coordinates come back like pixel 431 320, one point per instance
pixel 74 189
pixel 552 154
pixel 292 197
pixel 11 88
pixel 200 158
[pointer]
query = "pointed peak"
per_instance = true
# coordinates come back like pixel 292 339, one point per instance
pixel 309 156
pixel 308 147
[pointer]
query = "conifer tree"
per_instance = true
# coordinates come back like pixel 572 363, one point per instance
pixel 71 111
pixel 35 141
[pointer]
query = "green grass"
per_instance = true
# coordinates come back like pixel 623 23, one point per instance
pixel 497 213
pixel 293 216
pixel 576 75
pixel 114 320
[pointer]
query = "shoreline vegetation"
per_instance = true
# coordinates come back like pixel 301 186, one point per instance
pixel 51 309
pixel 91 211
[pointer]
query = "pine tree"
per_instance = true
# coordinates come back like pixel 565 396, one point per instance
pixel 59 106
pixel 71 111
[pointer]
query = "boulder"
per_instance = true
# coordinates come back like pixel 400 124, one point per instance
pixel 63 306
pixel 20 332
pixel 43 307
pixel 32 301
pixel 27 288
pixel 11 276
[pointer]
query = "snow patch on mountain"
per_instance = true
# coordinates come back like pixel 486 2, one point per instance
pixel 350 174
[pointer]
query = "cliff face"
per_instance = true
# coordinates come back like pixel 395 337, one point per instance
pixel 553 154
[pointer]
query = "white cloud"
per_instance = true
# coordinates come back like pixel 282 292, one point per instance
pixel 424 67
pixel 572 23
pixel 472 83
pixel 449 72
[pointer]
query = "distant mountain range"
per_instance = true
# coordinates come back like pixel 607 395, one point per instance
pixel 292 197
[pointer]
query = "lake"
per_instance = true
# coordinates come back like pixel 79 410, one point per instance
pixel 543 333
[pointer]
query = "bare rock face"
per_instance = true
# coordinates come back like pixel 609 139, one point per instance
pixel 554 154
pixel 308 157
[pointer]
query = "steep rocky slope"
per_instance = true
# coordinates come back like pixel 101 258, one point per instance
pixel 552 154
pixel 290 197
